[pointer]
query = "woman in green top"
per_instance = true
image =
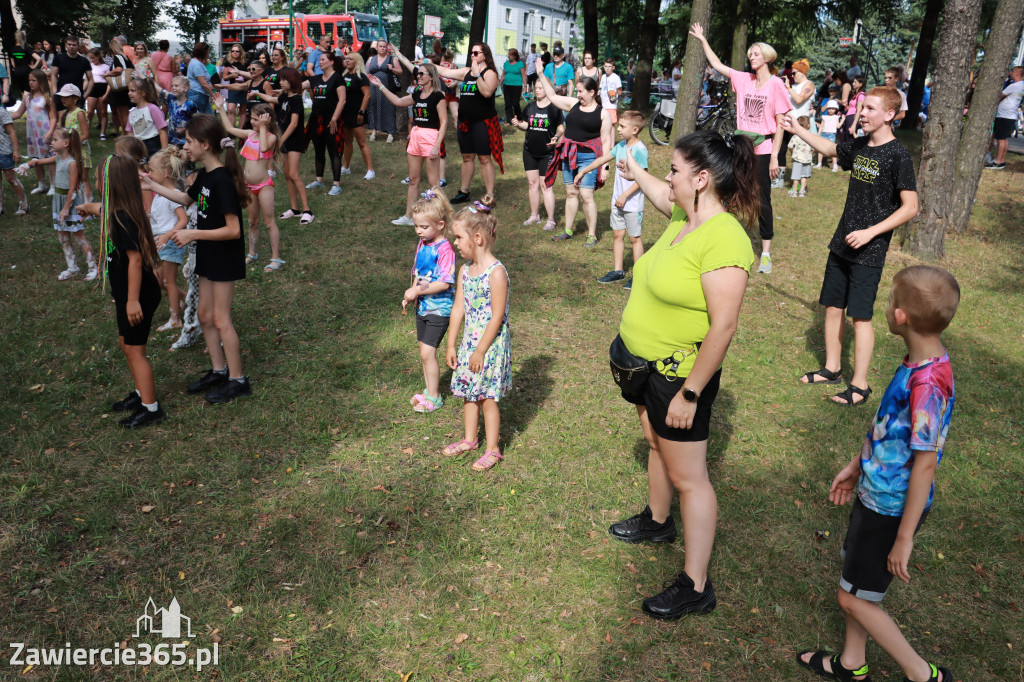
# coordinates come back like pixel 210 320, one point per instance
pixel 681 315
pixel 512 77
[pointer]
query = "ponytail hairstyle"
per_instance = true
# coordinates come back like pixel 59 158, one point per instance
pixel 732 166
pixel 74 148
pixel 478 218
pixel 264 108
pixel 434 204
pixel 122 192
pixel 208 128
pixel 172 161
pixel 129 145
pixel 145 87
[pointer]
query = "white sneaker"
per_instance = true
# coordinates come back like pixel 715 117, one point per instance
pixel 391 138
pixel 406 181
pixel 92 274
pixel 50 192
pixel 68 274
pixel 766 264
pixel 316 184
pixel 404 220
pixel 40 188
pixel 334 191
pixel 370 175
pixel 346 171
pixel 373 136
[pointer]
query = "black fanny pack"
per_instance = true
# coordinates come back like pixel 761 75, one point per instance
pixel 630 373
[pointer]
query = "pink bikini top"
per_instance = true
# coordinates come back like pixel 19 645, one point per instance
pixel 251 149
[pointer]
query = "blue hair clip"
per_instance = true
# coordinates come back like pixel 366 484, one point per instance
pixel 428 195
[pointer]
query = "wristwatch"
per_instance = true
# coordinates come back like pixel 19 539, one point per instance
pixel 690 395
pixel 362 112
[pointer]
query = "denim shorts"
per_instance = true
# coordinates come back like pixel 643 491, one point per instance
pixel 583 159
pixel 831 137
pixel 6 161
pixel 172 253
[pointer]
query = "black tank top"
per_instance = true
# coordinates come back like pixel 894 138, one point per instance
pixel 582 125
pixel 472 105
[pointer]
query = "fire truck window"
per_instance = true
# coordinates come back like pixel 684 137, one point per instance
pixel 313 29
pixel 345 31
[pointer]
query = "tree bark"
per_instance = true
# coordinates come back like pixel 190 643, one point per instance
pixel 693 70
pixel 998 52
pixel 477 23
pixel 925 234
pixel 922 59
pixel 7 25
pixel 410 32
pixel 738 58
pixel 645 56
pixel 590 38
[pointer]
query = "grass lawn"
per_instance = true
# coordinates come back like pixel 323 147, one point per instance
pixel 315 531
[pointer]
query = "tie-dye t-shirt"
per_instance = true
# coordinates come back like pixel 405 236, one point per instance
pixel 914 415
pixel 435 262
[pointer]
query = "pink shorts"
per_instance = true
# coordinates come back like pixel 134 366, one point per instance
pixel 613 114
pixel 421 141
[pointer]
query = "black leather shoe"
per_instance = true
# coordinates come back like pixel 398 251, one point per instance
pixel 679 598
pixel 228 391
pixel 143 417
pixel 209 380
pixel 460 198
pixel 129 403
pixel 642 527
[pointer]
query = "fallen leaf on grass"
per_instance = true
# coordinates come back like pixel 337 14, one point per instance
pixel 632 568
pixel 408 451
pixel 462 637
pixel 706 665
pixel 608 637
pixel 146 508
pixel 405 677
pixel 381 489
pixel 236 610
pixel 49 451
pixel 37 388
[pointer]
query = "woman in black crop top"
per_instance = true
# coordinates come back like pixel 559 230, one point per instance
pixel 588 135
pixel 479 130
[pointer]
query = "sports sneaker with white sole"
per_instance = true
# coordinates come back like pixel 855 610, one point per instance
pixel 370 175
pixel 346 171
pixel 404 220
pixel 334 191
pixel 766 264
pixel 316 184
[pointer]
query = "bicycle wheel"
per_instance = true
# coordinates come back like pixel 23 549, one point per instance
pixel 724 125
pixel 660 128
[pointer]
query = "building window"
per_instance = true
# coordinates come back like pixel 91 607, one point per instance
pixel 507 38
pixel 508 15
pixel 543 23
pixel 525 46
pixel 526 21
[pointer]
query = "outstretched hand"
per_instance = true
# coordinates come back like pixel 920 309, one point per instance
pixel 373 80
pixel 697 31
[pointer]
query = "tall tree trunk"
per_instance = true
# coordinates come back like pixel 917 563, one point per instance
pixel 477 23
pixel 693 70
pixel 922 59
pixel 925 234
pixel 645 56
pixel 7 26
pixel 998 51
pixel 744 8
pixel 410 33
pixel 590 37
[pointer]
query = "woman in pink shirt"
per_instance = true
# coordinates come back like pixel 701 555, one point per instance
pixel 762 101
pixel 162 65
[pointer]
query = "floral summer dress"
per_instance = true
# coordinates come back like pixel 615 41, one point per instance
pixel 37 124
pixel 494 380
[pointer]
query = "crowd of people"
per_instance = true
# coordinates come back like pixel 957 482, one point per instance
pixel 174 193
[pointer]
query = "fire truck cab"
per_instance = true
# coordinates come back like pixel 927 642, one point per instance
pixel 354 29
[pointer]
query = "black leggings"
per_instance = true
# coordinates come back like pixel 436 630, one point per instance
pixel 325 143
pixel 512 95
pixel 786 137
pixel 766 220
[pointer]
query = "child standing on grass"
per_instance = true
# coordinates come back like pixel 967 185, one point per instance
pixel 40 114
pixel 627 216
pixel 146 119
pixel 167 168
pixel 8 159
pixel 830 123
pixel 803 157
pixel 432 278
pixel 882 196
pixel 66 200
pixel 219 190
pixel 893 476
pixel 180 110
pixel 74 118
pixel 482 368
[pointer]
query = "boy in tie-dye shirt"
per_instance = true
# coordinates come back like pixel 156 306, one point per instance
pixel 893 477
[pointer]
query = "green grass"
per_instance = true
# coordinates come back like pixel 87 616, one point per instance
pixel 322 507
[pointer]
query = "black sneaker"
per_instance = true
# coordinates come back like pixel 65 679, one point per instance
pixel 460 198
pixel 642 527
pixel 612 276
pixel 143 417
pixel 127 404
pixel 229 390
pixel 628 286
pixel 996 166
pixel 209 380
pixel 679 598
pixel 561 236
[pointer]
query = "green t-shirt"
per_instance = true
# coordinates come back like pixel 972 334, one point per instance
pixel 514 73
pixel 667 310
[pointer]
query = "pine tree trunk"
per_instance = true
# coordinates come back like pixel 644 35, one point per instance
pixel 925 234
pixel 477 23
pixel 590 37
pixel 693 70
pixel 410 31
pixel 739 34
pixel 922 59
pixel 998 51
pixel 645 56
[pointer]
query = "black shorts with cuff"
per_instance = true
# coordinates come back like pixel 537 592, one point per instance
pixel 475 140
pixel 138 334
pixel 851 286
pixel 659 392
pixel 537 163
pixel 866 550
pixel 1003 128
pixel 430 329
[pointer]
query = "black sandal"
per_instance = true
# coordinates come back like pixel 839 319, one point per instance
pixel 847 395
pixel 947 676
pixel 814 664
pixel 830 377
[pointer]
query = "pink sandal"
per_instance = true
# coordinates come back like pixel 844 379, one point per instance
pixel 487 460
pixel 422 402
pixel 461 447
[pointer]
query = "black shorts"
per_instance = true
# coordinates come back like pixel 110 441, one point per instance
pixel 1003 128
pixel 98 90
pixel 866 552
pixel 475 140
pixel 850 285
pixel 658 393
pixel 137 335
pixel 152 145
pixel 119 98
pixel 296 142
pixel 537 163
pixel 430 329
pixel 350 118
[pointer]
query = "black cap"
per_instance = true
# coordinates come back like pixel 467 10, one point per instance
pixel 558 50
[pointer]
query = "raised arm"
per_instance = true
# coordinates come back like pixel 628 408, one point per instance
pixel 654 189
pixel 403 59
pixel 561 101
pixel 218 99
pixel 697 31
pixel 405 101
pixel 453 74
pixel 487 83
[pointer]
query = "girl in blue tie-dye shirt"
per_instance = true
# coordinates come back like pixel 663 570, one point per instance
pixel 433 290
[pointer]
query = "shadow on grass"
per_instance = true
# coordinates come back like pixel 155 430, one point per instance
pixel 532 385
pixel 814 336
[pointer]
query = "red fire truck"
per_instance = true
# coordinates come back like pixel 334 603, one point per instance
pixel 353 29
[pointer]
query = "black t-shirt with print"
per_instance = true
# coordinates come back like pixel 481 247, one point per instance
pixel 424 109
pixel 473 106
pixel 215 196
pixel 124 233
pixel 325 94
pixel 878 175
pixel 273 78
pixel 542 122
pixel 354 84
pixel 72 70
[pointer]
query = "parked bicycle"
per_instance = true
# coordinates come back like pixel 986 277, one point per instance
pixel 719 117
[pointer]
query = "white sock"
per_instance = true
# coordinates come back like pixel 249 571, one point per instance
pixel 223 370
pixel 238 379
pixel 138 393
pixel 153 407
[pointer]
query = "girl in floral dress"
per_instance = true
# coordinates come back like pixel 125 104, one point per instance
pixel 482 367
pixel 40 121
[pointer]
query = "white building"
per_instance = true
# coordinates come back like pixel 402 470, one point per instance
pixel 517 23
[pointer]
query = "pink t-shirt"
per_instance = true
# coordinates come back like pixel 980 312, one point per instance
pixel 756 107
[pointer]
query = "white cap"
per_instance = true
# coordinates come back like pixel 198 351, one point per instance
pixel 831 104
pixel 69 90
